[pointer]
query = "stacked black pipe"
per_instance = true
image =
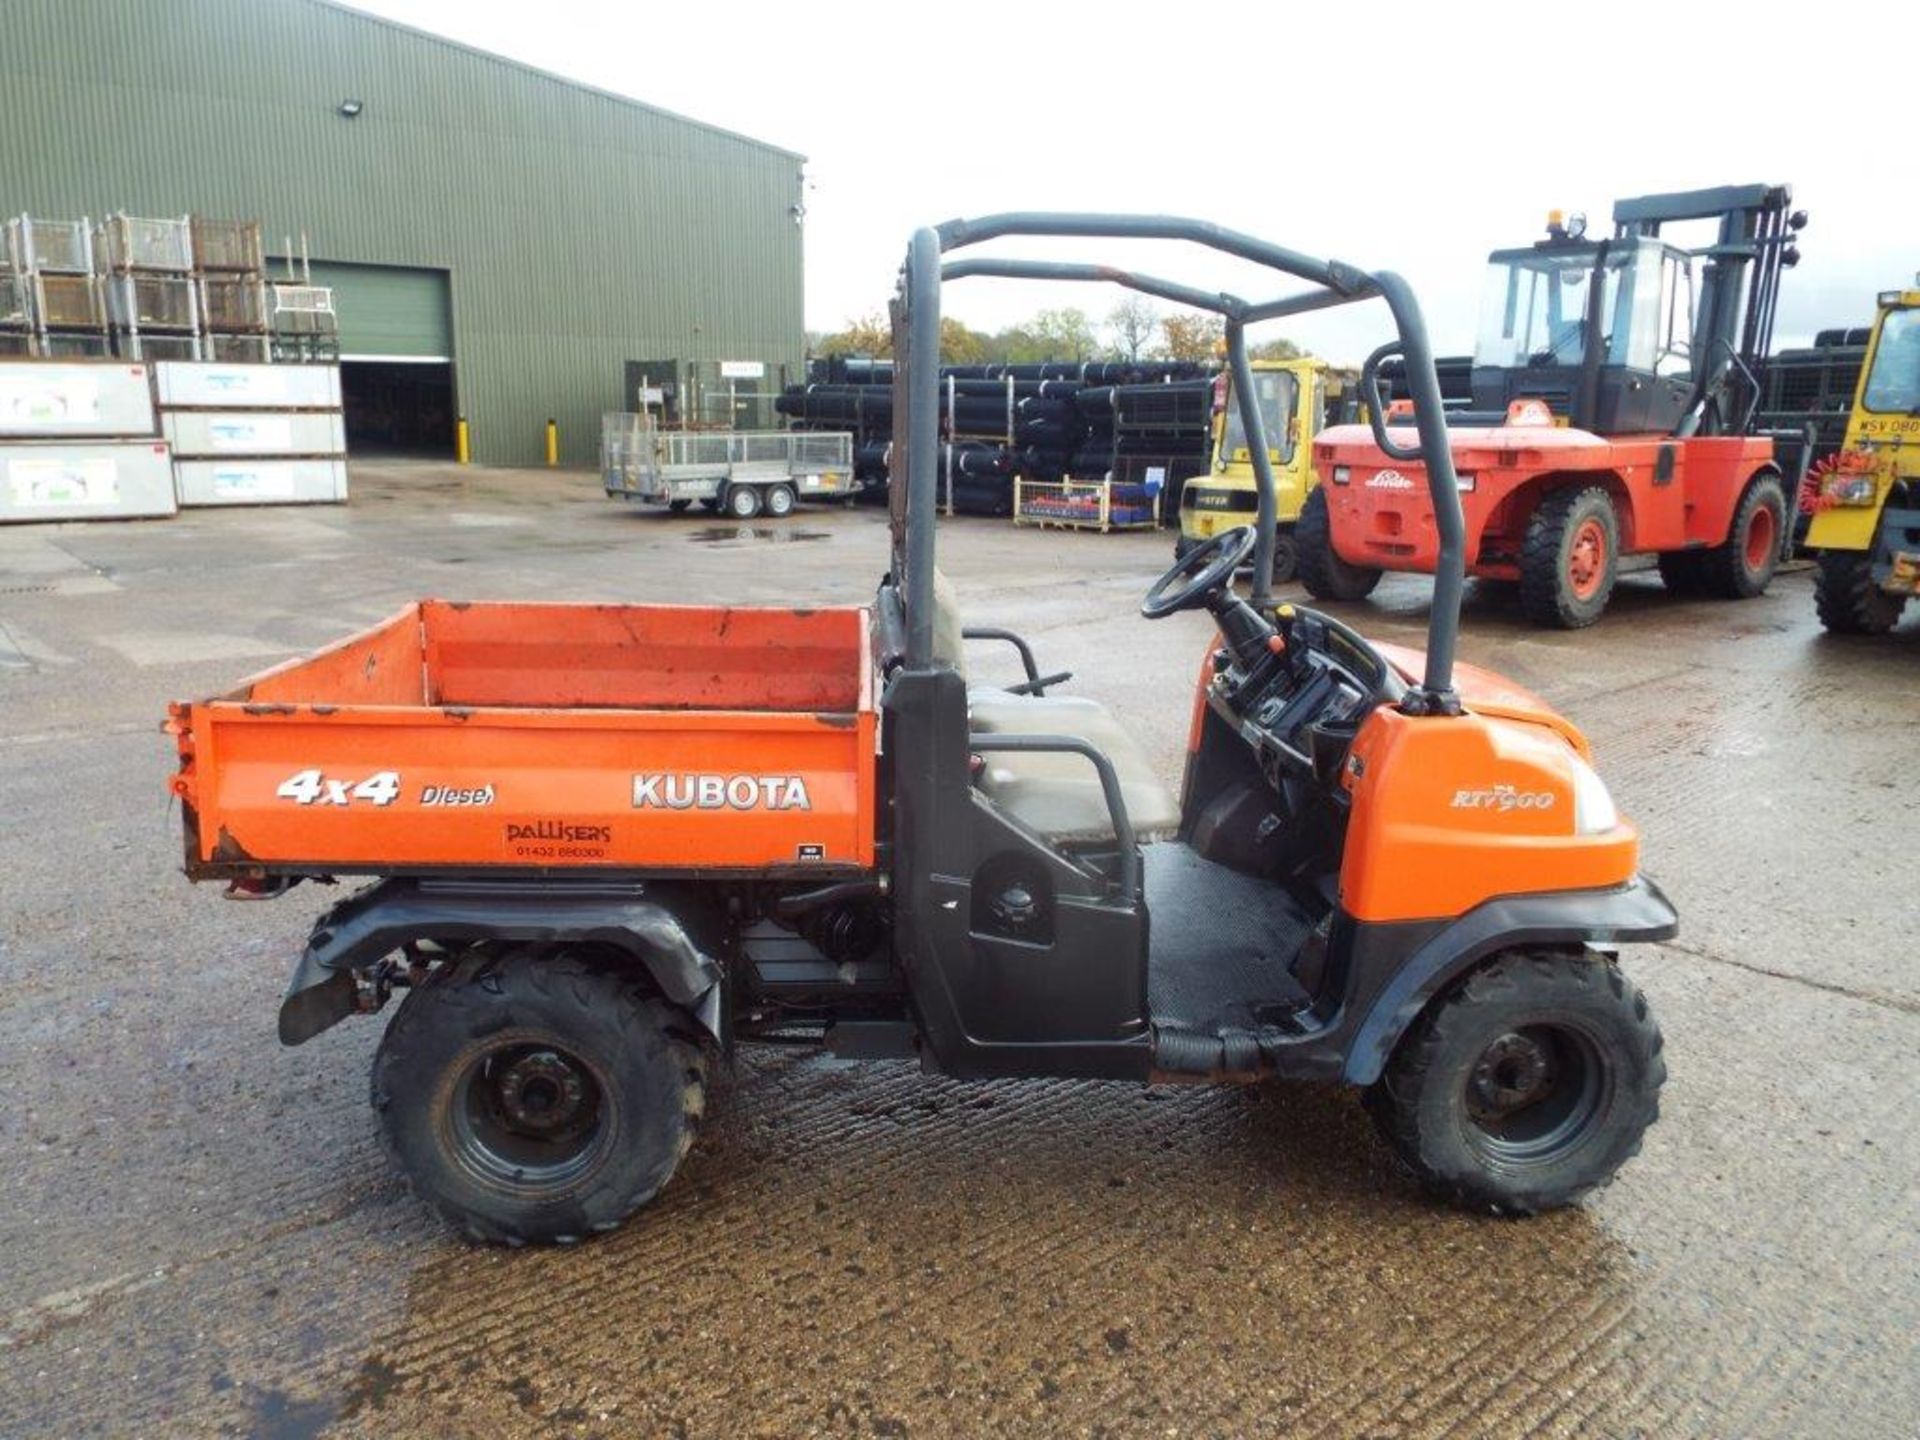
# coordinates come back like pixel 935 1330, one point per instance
pixel 1043 421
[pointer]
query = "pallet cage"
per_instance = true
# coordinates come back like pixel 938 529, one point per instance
pixel 153 302
pixel 1083 504
pixel 16 301
pixel 227 245
pixel 303 310
pixel 132 242
pixel 67 302
pixel 239 349
pixel 233 304
pixel 60 246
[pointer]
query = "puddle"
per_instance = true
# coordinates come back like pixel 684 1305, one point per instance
pixel 746 534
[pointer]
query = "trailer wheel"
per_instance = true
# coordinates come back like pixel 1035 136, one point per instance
pixel 1743 567
pixel 779 501
pixel 678 507
pixel 1525 1086
pixel 1849 601
pixel 1324 573
pixel 1570 558
pixel 742 502
pixel 536 1098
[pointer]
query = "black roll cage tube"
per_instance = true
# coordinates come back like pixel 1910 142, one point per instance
pixel 1332 283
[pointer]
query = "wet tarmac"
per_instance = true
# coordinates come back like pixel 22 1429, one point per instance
pixel 198 1235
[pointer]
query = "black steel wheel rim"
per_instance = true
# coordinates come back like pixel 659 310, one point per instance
pixel 1535 1093
pixel 529 1116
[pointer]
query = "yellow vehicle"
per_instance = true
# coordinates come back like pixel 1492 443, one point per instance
pixel 1294 398
pixel 1865 501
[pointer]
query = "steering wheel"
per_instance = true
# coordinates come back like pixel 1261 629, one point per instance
pixel 1211 564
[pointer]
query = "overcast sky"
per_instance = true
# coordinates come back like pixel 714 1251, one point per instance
pixel 1449 130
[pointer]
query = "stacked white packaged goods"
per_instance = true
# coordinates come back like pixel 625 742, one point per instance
pixel 78 442
pixel 254 434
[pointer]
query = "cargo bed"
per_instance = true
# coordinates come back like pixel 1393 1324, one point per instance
pixel 651 739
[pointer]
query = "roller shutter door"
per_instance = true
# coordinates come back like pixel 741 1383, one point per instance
pixel 390 313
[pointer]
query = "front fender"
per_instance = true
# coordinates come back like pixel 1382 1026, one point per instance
pixel 664 937
pixel 1636 911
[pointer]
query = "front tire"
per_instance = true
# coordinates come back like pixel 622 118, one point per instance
pixel 1570 558
pixel 536 1098
pixel 1526 1086
pixel 1324 573
pixel 1743 566
pixel 1849 601
pixel 743 502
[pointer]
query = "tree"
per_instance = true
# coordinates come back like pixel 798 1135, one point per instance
pixel 959 345
pixel 1280 349
pixel 1131 326
pixel 1189 336
pixel 868 334
pixel 1063 334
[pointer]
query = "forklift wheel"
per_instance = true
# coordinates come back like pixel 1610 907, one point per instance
pixel 1743 567
pixel 536 1097
pixel 1570 558
pixel 1849 599
pixel 1325 574
pixel 1525 1086
pixel 1286 557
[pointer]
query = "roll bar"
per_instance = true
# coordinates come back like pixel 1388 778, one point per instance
pixel 917 373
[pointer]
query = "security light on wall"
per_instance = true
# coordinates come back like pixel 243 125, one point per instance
pixel 351 108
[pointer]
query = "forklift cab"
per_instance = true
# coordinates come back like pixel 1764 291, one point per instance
pixel 1599 330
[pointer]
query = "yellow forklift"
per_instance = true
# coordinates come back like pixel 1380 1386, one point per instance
pixel 1865 501
pixel 1295 397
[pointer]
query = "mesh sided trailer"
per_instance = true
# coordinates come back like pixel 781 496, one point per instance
pixel 638 461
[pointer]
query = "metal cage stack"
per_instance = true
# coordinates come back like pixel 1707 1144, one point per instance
pixel 153 304
pixel 50 300
pixel 230 271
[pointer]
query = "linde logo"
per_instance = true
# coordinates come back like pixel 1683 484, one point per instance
pixel 720 792
pixel 1503 798
pixel 1389 480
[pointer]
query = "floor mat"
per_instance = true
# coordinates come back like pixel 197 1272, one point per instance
pixel 1221 943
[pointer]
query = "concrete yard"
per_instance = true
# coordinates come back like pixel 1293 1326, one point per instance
pixel 199 1235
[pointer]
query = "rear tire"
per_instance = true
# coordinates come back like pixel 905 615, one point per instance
pixel 1743 567
pixel 779 501
pixel 742 502
pixel 1570 558
pixel 1325 574
pixel 1525 1086
pixel 1849 601
pixel 536 1098
pixel 678 507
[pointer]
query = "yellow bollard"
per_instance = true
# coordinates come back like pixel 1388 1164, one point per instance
pixel 553 444
pixel 462 446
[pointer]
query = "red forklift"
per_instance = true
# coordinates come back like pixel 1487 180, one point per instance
pixel 1609 417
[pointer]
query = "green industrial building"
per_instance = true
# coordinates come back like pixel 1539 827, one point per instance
pixel 504 244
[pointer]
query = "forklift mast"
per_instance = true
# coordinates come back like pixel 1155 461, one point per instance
pixel 1740 291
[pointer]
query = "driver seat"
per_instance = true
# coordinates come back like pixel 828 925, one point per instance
pixel 1055 794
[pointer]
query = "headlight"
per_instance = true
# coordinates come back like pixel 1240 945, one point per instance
pixel 1593 810
pixel 1842 488
pixel 1341 474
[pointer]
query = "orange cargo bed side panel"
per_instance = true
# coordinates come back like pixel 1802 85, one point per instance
pixel 310 785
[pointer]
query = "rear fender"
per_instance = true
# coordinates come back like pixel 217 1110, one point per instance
pixel 1636 911
pixel 665 932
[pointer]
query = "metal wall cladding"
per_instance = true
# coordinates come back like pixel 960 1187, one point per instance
pixel 259 482
pixel 674 238
pixel 98 480
pixel 216 433
pixel 47 400
pixel 246 387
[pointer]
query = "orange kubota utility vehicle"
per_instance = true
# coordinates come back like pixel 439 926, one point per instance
pixel 614 841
